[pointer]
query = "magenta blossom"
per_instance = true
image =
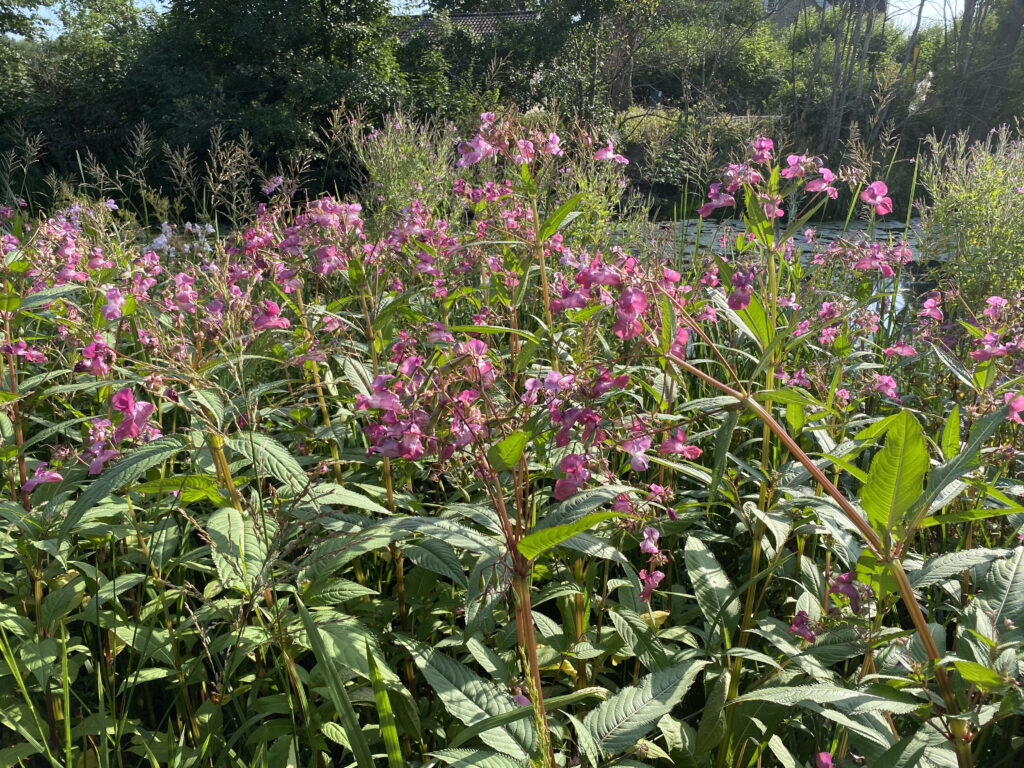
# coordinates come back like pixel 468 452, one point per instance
pixel 607 152
pixel 884 385
pixel 843 584
pixel 717 199
pixel 96 358
pixel 742 283
pixel 40 476
pixel 576 473
pixel 650 581
pixel 801 626
pixel 1015 403
pixel 761 150
pixel 875 195
pixel 823 760
pixel 930 308
pixel 636 448
pixel 650 542
pixel 677 444
pixel 631 304
pixel 994 306
pixel 270 317
pixel 135 415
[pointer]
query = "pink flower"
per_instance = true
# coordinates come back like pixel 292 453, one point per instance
pixel 761 150
pixel 875 195
pixel 824 184
pixel 96 358
pixel 717 199
pixel 135 415
pixel 650 582
pixel 823 760
pixel 551 147
pixel 650 542
pixel 576 473
pixel 801 626
pixel 41 475
pixel 1015 403
pixel 903 350
pixel 472 152
pixel 843 585
pixel 995 306
pixel 632 303
pixel 931 309
pixel 677 444
pixel 742 283
pixel 112 309
pixel 270 317
pixel 607 152
pixel 636 448
pixel 885 385
pixel 526 151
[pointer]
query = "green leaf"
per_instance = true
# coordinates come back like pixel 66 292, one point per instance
pixel 190 488
pixel 723 439
pixel 540 541
pixel 336 687
pixel 1002 589
pixel 825 693
pixel 953 564
pixel 639 638
pixel 332 494
pixel 266 454
pixel 896 475
pixel 388 729
pixel 438 556
pixel 561 215
pixel 523 712
pixel 982 677
pixel 470 699
pixel 620 722
pixel 476 758
pixel 122 473
pixel 504 455
pixel 712 587
pixel 239 552
pixel 951 434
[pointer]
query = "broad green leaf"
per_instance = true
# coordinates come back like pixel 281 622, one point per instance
pixel 239 552
pixel 550 705
pixel 122 473
pixel 983 677
pixel 334 495
pixel 1002 589
pixel 851 701
pixel 470 699
pixel 504 455
pixel 189 488
pixel 268 456
pixel 953 564
pixel 639 638
pixel 540 541
pixel 896 475
pixel 617 724
pixel 476 758
pixel 437 555
pixel 712 587
pixel 712 727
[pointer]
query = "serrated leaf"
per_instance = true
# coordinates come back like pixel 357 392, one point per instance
pixel 950 442
pixel 639 638
pixel 851 700
pixel 332 494
pixel 619 723
pixel 505 454
pixel 239 552
pixel 953 564
pixel 982 677
pixel 266 454
pixel 1002 589
pixel 188 488
pixel 476 758
pixel 540 541
pixel 723 439
pixel 123 472
pixel 896 475
pixel 559 217
pixel 437 556
pixel 711 586
pixel 470 699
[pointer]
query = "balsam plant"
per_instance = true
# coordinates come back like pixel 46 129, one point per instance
pixel 502 486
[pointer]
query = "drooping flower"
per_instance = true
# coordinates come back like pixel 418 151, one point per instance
pixel 270 317
pixel 636 448
pixel 1015 404
pixel 631 304
pixel 903 350
pixel 552 146
pixel 650 582
pixel 607 152
pixel 650 541
pixel 801 626
pixel 823 760
pixel 135 415
pixel 717 199
pixel 576 473
pixel 761 150
pixel 875 194
pixel 676 444
pixel 41 475
pixel 96 358
pixel 115 301
pixel 823 184
pixel 742 283
pixel 930 308
pixel 884 385
pixel 843 585
pixel 994 306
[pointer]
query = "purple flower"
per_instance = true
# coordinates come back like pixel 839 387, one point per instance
pixel 135 415
pixel 650 542
pixel 823 760
pixel 636 448
pixel 41 475
pixel 576 473
pixel 270 317
pixel 801 626
pixel 607 152
pixel 884 385
pixel 761 150
pixel 650 582
pixel 875 195
pixel 742 283
pixel 843 584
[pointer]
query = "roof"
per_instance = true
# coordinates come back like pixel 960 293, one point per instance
pixel 480 24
